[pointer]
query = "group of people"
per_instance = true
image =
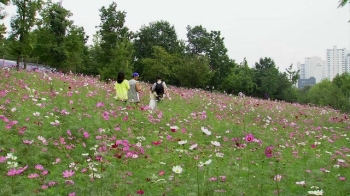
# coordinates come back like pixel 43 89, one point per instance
pixel 130 90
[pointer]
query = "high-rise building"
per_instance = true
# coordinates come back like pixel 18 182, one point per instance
pixel 301 67
pixel 313 67
pixel 336 61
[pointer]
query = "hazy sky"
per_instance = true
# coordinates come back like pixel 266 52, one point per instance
pixel 287 31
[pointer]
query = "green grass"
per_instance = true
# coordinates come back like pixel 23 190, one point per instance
pixel 84 127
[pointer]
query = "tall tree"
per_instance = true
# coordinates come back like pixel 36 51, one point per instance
pixel 51 35
pixel 21 25
pixel 159 64
pixel 343 83
pixel 266 77
pixel 239 79
pixel 2 26
pixel 293 76
pixel 117 50
pixel 194 71
pixel 74 44
pixel 112 30
pixel 201 42
pixel 160 34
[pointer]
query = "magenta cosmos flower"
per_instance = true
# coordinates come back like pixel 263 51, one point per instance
pixel 249 138
pixel 269 152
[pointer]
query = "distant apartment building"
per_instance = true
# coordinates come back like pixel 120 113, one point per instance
pixel 313 67
pixel 337 62
pixel 306 82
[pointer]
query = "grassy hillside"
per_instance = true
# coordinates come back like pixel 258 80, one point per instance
pixel 66 135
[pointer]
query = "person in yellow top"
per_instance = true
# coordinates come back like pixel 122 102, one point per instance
pixel 121 87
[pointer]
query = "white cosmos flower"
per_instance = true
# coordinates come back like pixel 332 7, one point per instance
pixel 182 142
pixel 200 164
pixel 300 183
pixel 316 192
pixel 13 109
pixel 36 114
pixel 206 131
pixel 215 143
pixel 341 161
pixel 177 169
pixel 193 146
pixel 174 127
pixel 208 162
pixel 220 154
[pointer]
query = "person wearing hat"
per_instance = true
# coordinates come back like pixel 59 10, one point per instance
pixel 135 89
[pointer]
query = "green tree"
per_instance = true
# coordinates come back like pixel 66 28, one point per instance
pixel 326 93
pixel 160 34
pixel 74 44
pixel 266 77
pixel 94 52
pixel 121 60
pixel 343 83
pixel 112 31
pixel 51 34
pixel 115 45
pixel 2 26
pixel 158 65
pixel 201 42
pixel 21 25
pixel 240 79
pixel 194 71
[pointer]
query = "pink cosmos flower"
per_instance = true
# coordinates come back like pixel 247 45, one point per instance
pixel 44 173
pixel 161 172
pixel 11 172
pixel 140 192
pixel 222 178
pixel 2 159
pixel 29 142
pixel 342 178
pixel 35 175
pixel 269 152
pixel 52 183
pixel 21 170
pixel 72 194
pixel 67 174
pixel 69 182
pixel 100 104
pixel 249 138
pixel 86 134
pixel 39 167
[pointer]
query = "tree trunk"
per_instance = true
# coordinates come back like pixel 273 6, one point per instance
pixel 25 63
pixel 18 61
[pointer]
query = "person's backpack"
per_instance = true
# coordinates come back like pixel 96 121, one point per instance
pixel 159 89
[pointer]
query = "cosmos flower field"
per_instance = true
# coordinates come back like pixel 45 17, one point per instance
pixel 66 135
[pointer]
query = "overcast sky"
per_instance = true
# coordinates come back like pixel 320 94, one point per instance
pixel 287 31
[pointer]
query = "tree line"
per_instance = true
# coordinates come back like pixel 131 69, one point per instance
pixel 41 31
